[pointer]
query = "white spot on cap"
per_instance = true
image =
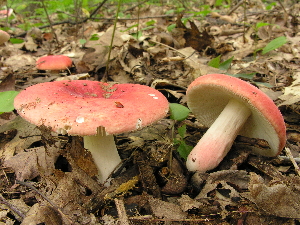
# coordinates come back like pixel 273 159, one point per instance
pixel 80 119
pixel 138 124
pixel 153 96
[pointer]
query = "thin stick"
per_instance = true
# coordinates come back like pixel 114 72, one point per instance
pixel 289 154
pixel 104 78
pixel 11 207
pixel 46 198
pixel 50 23
pixel 235 8
pixel 123 218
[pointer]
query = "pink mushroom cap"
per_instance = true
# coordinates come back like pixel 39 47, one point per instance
pixel 53 62
pixel 208 95
pixel 79 107
pixel 4 37
pixel 94 110
pixel 5 13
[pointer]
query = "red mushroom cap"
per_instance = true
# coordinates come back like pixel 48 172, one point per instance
pixel 4 36
pixel 79 107
pixel 53 62
pixel 209 94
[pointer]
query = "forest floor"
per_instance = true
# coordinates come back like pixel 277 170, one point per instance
pixel 48 178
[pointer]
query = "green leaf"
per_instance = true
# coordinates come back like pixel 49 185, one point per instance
pixel 178 112
pixel 129 28
pixel 82 41
pixel 171 27
pixel 16 41
pixel 218 2
pixel 150 23
pixel 7 101
pixel 215 62
pixel 184 149
pixel 137 35
pixel 226 64
pixel 148 28
pixel 270 6
pixel 94 37
pixel 182 130
pixel 261 24
pixel 276 43
pixel 171 11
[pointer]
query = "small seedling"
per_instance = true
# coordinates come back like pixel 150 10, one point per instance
pixel 274 44
pixel 7 101
pixel 215 62
pixel 180 113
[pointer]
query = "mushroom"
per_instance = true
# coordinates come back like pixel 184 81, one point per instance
pixel 4 37
pixel 230 106
pixel 5 13
pixel 94 110
pixel 53 62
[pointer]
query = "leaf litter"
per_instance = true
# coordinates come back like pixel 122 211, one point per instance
pixel 49 178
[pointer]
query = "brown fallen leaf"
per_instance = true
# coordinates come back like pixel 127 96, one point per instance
pixel 167 210
pixel 278 199
pixel 198 40
pixel 8 83
pixel 35 162
pixel 27 134
pixel 42 214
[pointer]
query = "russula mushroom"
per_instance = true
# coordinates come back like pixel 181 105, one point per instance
pixel 94 110
pixel 53 62
pixel 4 37
pixel 229 107
pixel 5 13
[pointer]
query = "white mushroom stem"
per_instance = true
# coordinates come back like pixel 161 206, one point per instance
pixel 104 153
pixel 217 141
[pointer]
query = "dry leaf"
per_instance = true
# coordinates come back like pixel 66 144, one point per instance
pixel 278 199
pixel 33 163
pixel 167 210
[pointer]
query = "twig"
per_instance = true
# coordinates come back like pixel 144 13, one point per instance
pixel 245 19
pixel 11 207
pixel 285 12
pixel 123 218
pixel 138 4
pixel 167 46
pixel 46 198
pixel 136 18
pixel 282 6
pixel 104 78
pixel 235 7
pixel 68 21
pixel 96 10
pixel 289 154
pixel 93 18
pixel 50 23
pixel 286 159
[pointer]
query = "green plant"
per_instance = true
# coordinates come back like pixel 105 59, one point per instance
pixel 274 44
pixel 270 6
pixel 216 63
pixel 179 113
pixel 7 101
